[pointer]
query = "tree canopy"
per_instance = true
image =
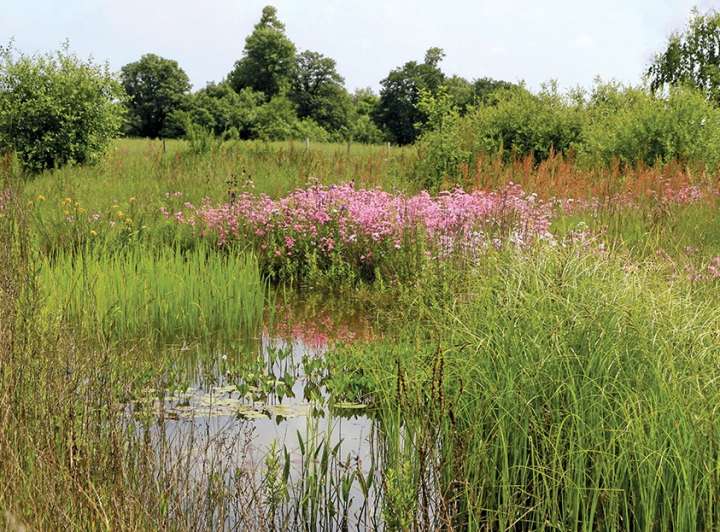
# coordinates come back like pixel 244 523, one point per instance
pixel 268 61
pixel 319 92
pixel 692 57
pixel 156 87
pixel 397 111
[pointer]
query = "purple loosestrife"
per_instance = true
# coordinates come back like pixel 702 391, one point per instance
pixel 363 223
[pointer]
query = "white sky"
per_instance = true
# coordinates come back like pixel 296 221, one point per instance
pixel 533 40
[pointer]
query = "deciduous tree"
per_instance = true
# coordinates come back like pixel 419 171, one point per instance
pixel 397 111
pixel 319 92
pixel 156 87
pixel 691 57
pixel 268 61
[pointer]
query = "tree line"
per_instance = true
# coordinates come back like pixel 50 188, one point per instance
pixel 56 108
pixel 275 92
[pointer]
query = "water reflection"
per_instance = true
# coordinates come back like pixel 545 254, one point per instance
pixel 232 409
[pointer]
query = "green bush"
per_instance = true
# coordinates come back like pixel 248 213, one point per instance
pixel 200 139
pixel 219 108
pixel 278 120
pixel 440 147
pixel 56 109
pixel 611 124
pixel 365 131
pixel 632 126
pixel 519 123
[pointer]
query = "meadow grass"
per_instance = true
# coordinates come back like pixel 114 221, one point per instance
pixel 148 168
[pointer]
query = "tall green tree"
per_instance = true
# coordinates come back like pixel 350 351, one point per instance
pixel 319 92
pixel 56 108
pixel 692 57
pixel 268 61
pixel 156 87
pixel 397 111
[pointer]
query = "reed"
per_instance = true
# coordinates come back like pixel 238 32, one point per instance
pixel 567 390
pixel 165 295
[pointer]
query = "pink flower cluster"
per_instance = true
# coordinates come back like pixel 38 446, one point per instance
pixel 363 222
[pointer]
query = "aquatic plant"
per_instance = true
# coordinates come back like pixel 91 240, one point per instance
pixel 167 295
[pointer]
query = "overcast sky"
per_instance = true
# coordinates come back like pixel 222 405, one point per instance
pixel 533 40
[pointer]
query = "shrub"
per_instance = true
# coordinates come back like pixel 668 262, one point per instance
pixel 519 123
pixel 632 126
pixel 365 131
pixel 56 109
pixel 200 139
pixel 440 146
pixel 278 120
pixel 219 108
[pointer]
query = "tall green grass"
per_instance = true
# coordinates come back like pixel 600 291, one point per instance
pixel 563 390
pixel 162 295
pixel 148 168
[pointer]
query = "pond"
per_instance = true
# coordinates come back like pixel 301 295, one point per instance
pixel 261 418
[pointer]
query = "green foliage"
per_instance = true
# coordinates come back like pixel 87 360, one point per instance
pixel 460 91
pixel 56 109
pixel 365 101
pixel 480 92
pixel 364 129
pixel 219 108
pixel 319 93
pixel 156 88
pixel 631 126
pixel 484 89
pixel 691 57
pixel 521 123
pixel 440 147
pixel 397 111
pixel 278 120
pixel 201 139
pixel 268 60
pixel 613 124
